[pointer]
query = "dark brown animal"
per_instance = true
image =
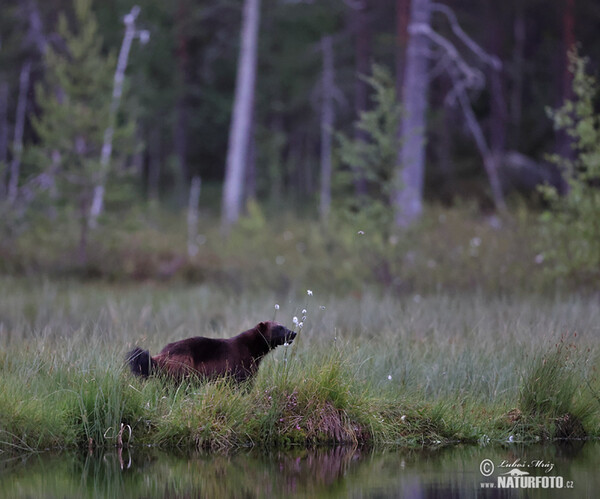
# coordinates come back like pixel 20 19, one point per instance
pixel 210 358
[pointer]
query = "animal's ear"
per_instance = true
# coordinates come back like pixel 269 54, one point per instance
pixel 263 327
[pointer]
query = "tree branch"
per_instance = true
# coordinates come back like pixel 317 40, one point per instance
pixel 489 59
pixel 473 76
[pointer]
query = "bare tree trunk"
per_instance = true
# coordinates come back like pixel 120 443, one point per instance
pixel 407 192
pixel 181 108
pixel 36 30
pixel 563 140
pixel 361 88
pixel 17 152
pixel 490 161
pixel 516 98
pixel 250 173
pixel 402 18
pixel 327 117
pixel 498 110
pixel 192 217
pixel 240 122
pixel 154 160
pixel 180 145
pixel 3 135
pixel 130 33
pixel 84 228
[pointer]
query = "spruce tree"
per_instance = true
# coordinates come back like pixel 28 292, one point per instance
pixel 75 110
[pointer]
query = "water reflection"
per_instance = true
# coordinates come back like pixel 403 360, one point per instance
pixel 337 472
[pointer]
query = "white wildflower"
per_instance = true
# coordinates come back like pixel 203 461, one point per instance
pixel 403 418
pixel 303 311
pixel 309 292
pixel 390 377
pixel 277 306
pixel 144 36
pixel 295 320
pixel 300 325
pixel 361 232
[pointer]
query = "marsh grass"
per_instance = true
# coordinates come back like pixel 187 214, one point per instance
pixel 375 369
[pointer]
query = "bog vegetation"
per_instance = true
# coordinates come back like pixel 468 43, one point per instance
pixel 371 369
pixel 468 326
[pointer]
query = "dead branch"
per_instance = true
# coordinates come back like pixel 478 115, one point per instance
pixel 489 59
pixel 473 76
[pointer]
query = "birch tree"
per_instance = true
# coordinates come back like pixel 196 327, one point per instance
pixel 424 43
pixel 17 149
pixel 327 117
pixel 131 32
pixel 407 193
pixel 239 131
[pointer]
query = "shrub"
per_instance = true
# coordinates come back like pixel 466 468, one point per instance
pixel 572 231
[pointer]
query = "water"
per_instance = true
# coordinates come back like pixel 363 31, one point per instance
pixel 340 472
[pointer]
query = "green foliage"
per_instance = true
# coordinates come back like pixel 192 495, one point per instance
pixel 75 102
pixel 371 155
pixel 572 231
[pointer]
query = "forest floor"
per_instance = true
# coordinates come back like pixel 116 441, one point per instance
pixel 377 369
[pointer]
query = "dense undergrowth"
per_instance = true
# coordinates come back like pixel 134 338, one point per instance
pixel 368 370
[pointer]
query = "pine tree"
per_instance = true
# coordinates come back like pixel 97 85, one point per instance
pixel 75 110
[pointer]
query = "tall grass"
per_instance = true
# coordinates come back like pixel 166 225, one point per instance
pixel 373 369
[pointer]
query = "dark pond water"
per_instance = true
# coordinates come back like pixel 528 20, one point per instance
pixel 341 472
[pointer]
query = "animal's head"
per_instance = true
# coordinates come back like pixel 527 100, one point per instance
pixel 275 333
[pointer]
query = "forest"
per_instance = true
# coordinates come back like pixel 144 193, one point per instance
pixel 417 181
pixel 355 114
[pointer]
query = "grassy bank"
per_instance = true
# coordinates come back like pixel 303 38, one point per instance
pixel 374 369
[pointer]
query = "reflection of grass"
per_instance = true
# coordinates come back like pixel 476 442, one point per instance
pixel 331 472
pixel 378 370
pixel 554 387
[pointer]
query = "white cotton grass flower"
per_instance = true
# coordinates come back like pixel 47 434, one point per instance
pixel 361 232
pixel 303 311
pixel 144 36
pixel 295 320
pixel 309 292
pixel 277 306
pixel 300 325
pixel 390 377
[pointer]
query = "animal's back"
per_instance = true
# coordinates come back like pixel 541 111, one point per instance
pixel 199 348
